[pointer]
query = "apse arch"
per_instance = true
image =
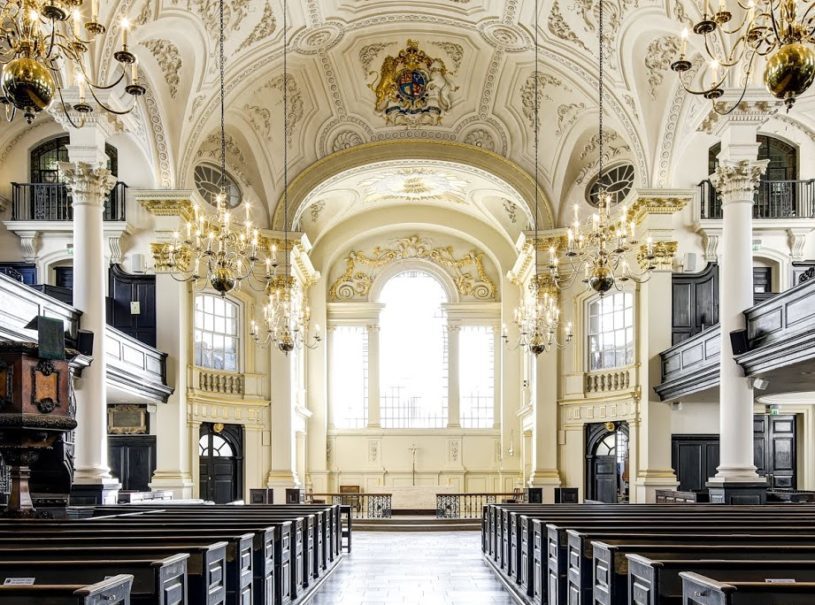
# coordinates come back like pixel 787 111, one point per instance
pixel 359 156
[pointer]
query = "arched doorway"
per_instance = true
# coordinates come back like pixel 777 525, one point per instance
pixel 607 462
pixel 220 456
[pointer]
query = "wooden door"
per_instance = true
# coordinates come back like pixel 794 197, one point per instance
pixel 780 447
pixel 220 462
pixel 607 462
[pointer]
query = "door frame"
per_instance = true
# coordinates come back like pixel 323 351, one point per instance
pixel 234 436
pixel 595 433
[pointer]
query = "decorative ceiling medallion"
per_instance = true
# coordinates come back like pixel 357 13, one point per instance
pixel 361 269
pixel 413 88
pixel 313 40
pixel 500 35
pixel 414 184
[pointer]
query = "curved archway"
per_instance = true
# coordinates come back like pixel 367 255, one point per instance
pixel 607 462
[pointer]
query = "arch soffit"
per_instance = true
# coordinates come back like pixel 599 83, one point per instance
pixel 457 153
pixel 411 264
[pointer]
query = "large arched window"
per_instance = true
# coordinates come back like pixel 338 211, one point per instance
pixel 216 333
pixel 413 352
pixel 46 156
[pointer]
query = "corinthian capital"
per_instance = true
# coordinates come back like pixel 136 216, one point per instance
pixel 88 184
pixel 736 181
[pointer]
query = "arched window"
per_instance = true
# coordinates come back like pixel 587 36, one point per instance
pixel 611 331
pixel 413 352
pixel 220 447
pixel 783 158
pixel 349 376
pixel 216 333
pixel 46 156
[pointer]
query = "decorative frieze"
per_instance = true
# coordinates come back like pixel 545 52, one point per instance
pixel 646 205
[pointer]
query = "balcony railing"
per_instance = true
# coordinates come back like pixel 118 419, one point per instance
pixel 52 202
pixel 773 200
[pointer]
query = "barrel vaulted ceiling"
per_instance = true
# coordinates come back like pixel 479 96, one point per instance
pixel 482 53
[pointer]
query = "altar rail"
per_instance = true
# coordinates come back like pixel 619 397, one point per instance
pixel 470 506
pixel 363 506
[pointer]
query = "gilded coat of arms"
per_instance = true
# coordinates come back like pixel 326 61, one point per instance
pixel 413 88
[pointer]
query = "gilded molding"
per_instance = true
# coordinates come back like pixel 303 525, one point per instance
pixel 736 181
pixel 168 207
pixel 656 205
pixel 663 252
pixel 356 282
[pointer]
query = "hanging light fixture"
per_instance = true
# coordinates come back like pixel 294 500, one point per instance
pixel 286 317
pixel 597 248
pixel 770 29
pixel 538 315
pixel 43 39
pixel 217 249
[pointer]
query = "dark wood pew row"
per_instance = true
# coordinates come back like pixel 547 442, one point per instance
pixel 658 581
pixel 206 566
pixel 610 566
pixel 699 590
pixel 512 558
pixel 112 591
pixel 569 550
pixel 155 581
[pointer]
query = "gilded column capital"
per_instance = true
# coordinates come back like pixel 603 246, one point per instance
pixel 736 181
pixel 87 184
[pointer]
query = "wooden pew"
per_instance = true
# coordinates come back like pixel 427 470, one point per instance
pixel 113 591
pixel 658 581
pixel 155 581
pixel 206 566
pixel 699 590
pixel 610 567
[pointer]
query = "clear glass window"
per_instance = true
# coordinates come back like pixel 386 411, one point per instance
pixel 611 331
pixel 349 376
pixel 216 333
pixel 477 376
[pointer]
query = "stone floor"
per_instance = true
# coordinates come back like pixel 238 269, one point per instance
pixel 438 568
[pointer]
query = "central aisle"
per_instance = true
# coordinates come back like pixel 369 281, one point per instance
pixel 413 568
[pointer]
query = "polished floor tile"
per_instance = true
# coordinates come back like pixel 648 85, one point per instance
pixel 413 568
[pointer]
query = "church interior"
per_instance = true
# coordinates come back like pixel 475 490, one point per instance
pixel 515 292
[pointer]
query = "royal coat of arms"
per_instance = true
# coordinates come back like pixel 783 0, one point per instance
pixel 413 88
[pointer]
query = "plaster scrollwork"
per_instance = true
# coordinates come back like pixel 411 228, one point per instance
pixel 196 105
pixel 658 57
pixel 369 52
pixel 545 81
pixel 511 210
pixel 295 101
pixel 736 181
pixel 559 28
pixel 345 140
pixel 211 148
pixel 160 140
pixel 316 209
pixel 169 61
pixel 453 50
pixel 480 137
pixel 567 115
pixel 613 148
pixel 265 28
pixel 504 37
pixel 361 268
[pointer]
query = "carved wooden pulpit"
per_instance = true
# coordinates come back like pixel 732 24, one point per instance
pixel 36 406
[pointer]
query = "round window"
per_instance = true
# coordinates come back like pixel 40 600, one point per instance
pixel 618 181
pixel 208 184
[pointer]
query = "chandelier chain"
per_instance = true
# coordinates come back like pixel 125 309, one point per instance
pixel 537 130
pixel 601 86
pixel 285 143
pixel 221 66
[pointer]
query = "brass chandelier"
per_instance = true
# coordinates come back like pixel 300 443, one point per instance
pixel 40 40
pixel 734 43
pixel 286 318
pixel 218 249
pixel 537 316
pixel 597 248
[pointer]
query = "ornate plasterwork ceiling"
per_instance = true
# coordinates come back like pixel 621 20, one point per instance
pixel 479 75
pixel 423 184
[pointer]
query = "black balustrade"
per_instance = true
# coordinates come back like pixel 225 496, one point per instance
pixel 52 202
pixel 470 505
pixel 773 200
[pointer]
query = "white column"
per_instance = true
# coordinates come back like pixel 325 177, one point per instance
pixel 88 184
pixel 283 467
pixel 544 472
pixel 374 410
pixel 453 378
pixel 736 181
pixel 176 436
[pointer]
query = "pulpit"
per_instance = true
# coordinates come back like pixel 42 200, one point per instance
pixel 36 407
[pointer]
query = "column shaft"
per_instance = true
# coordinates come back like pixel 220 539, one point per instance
pixel 453 393
pixel 374 410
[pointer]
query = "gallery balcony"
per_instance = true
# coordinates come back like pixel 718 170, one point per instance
pixel 779 348
pixel 52 202
pixel 136 372
pixel 774 200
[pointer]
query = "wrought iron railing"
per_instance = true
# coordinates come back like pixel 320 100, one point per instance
pixel 52 202
pixel 363 506
pixel 773 200
pixel 470 506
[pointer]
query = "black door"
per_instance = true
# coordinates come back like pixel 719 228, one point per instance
pixel 220 450
pixel 133 460
pixel 607 462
